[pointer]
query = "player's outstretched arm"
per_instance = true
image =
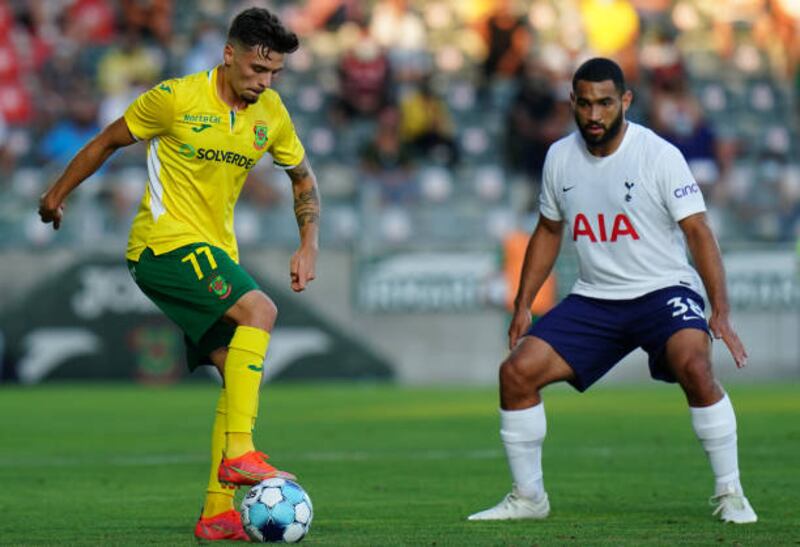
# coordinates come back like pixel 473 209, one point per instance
pixel 540 256
pixel 708 260
pixel 306 209
pixel 83 165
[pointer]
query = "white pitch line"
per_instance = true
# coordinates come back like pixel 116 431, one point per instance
pixel 182 459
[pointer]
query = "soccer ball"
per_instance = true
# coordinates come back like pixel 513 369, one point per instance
pixel 277 510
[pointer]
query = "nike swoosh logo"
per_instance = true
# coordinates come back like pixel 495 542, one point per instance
pixel 255 368
pixel 199 128
pixel 567 188
pixel 690 318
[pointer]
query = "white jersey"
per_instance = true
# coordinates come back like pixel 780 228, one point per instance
pixel 623 212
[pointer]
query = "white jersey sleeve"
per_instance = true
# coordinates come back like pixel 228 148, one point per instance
pixel 548 198
pixel 677 186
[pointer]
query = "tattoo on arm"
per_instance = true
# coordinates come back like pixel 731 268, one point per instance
pixel 300 172
pixel 306 199
pixel 306 207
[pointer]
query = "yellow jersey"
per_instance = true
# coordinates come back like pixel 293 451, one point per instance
pixel 198 157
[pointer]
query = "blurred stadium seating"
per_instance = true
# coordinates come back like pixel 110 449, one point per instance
pixel 67 67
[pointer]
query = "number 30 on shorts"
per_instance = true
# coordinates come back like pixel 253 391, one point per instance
pixel 681 308
pixel 192 259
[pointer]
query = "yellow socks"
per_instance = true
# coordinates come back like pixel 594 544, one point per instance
pixel 236 411
pixel 218 498
pixel 217 502
pixel 243 368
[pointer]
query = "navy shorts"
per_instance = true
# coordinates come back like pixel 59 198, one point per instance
pixel 593 335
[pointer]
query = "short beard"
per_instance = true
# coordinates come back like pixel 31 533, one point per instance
pixel 249 100
pixel 612 131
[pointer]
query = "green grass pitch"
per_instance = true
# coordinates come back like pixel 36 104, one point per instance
pixel 91 464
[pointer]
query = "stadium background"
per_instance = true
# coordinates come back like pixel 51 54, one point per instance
pixel 426 123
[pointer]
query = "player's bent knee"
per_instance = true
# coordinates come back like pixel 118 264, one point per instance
pixel 266 312
pixel 516 376
pixel 254 309
pixel 696 377
pixel 509 377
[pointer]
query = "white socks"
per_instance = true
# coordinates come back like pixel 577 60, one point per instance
pixel 715 426
pixel 523 433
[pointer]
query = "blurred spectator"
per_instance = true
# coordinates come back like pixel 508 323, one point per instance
pixel 661 58
pixel 15 100
pixel 10 65
pixel 31 37
pixel 15 103
pixel 775 29
pixel 364 80
pixel 402 33
pixel 677 116
pixel 771 209
pixel 536 118
pixel 742 57
pixel 652 12
pixel 207 45
pixel 386 163
pixel 63 141
pixel 89 22
pixel 127 64
pixel 508 41
pixel 426 126
pixel 113 106
pixel 60 75
pixel 149 18
pixel 326 15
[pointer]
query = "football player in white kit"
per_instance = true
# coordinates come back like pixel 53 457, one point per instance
pixel 629 200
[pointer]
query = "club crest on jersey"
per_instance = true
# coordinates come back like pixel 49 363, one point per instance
pixel 260 135
pixel 220 287
pixel 620 227
pixel 628 187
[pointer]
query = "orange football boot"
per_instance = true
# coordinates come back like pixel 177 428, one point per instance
pixel 248 469
pixel 225 526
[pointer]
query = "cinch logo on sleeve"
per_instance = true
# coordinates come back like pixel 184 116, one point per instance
pixel 621 226
pixel 687 190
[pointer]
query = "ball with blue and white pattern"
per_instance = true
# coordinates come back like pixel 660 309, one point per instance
pixel 277 510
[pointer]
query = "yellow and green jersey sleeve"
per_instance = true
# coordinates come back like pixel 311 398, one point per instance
pixel 286 149
pixel 151 114
pixel 199 153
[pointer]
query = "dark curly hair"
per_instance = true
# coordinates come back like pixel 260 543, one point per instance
pixel 600 69
pixel 257 27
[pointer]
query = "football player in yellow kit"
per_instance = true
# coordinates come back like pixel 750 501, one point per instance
pixel 204 133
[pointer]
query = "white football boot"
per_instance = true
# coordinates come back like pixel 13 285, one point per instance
pixel 514 506
pixel 732 506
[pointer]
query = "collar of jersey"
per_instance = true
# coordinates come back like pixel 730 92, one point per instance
pixel 212 90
